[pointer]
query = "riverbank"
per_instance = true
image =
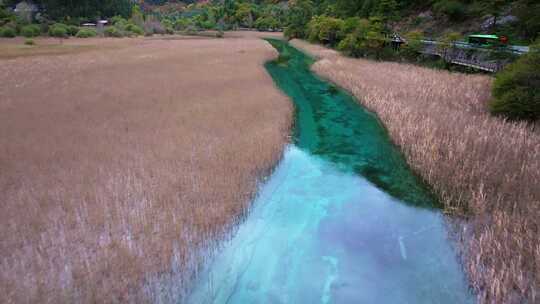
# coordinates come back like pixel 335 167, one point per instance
pixel 119 165
pixel 342 219
pixel 482 168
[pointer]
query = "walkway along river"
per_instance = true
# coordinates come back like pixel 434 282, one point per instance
pixel 341 220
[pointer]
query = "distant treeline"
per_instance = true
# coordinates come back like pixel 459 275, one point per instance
pixel 60 9
pixel 526 12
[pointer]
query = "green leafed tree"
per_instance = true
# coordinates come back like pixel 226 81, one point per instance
pixel 300 13
pixel 515 91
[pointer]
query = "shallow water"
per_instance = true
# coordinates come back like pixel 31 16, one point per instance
pixel 341 220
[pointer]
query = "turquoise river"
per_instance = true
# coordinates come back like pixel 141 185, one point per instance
pixel 342 219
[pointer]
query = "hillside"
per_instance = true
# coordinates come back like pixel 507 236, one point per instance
pixel 517 19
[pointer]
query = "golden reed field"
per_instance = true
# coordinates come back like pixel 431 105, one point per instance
pixel 122 162
pixel 482 168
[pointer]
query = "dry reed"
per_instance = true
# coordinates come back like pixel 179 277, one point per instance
pixel 481 167
pixel 120 168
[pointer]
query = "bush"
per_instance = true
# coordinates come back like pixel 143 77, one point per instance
pixel 351 24
pixel 366 40
pixel 86 33
pixel 134 29
pixel 72 30
pixel 515 91
pixel 113 31
pixel 414 45
pixel 7 32
pixel 29 41
pixel 59 30
pixel 327 30
pixel 118 20
pixel 168 26
pixel 448 42
pixel 181 24
pixel 153 27
pixel 31 30
pixel 266 23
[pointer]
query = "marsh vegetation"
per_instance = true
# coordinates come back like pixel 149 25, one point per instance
pixel 119 168
pixel 483 168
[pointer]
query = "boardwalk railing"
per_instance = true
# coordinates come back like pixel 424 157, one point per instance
pixel 465 54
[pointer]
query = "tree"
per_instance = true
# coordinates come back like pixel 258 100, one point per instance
pixel 327 30
pixel 300 13
pixel 515 91
pixel 59 9
pixel 494 8
pixel 414 44
pixel 366 40
pixel 528 13
pixel 244 15
pixel 387 10
pixel 448 43
pixel 137 16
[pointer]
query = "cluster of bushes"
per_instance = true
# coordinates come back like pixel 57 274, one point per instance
pixel 31 30
pixel 86 33
pixel 7 32
pixel 227 15
pixel 361 37
pixel 11 30
pixel 8 23
pixel 267 23
pixel 516 93
pixel 122 27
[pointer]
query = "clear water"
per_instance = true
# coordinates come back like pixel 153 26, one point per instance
pixel 341 220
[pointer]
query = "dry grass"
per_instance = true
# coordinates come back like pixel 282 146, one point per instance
pixel 121 167
pixel 480 166
pixel 14 47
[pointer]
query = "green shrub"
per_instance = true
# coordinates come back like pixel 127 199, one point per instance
pixel 118 20
pixel 181 24
pixel 31 30
pixel 366 40
pixel 168 25
pixel 327 30
pixel 7 32
pixel 351 24
pixel 59 30
pixel 516 93
pixel 132 28
pixel 86 33
pixel 448 41
pixel 414 45
pixel 113 31
pixel 72 30
pixel 267 23
pixel 29 41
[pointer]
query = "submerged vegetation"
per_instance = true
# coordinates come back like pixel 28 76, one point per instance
pixel 482 167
